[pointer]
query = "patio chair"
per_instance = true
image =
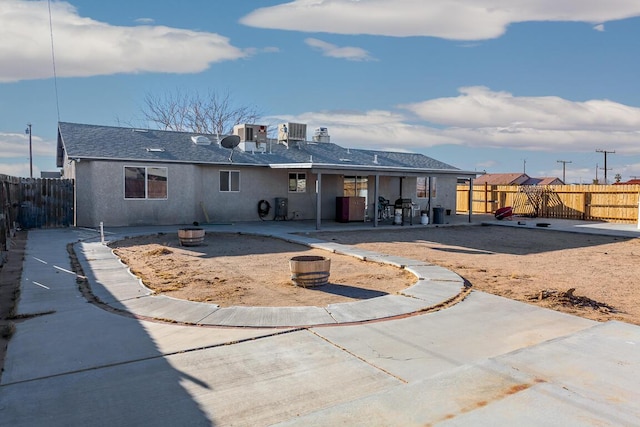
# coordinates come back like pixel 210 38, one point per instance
pixel 383 208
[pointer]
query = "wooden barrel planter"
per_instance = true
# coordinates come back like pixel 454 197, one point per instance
pixel 310 270
pixel 191 236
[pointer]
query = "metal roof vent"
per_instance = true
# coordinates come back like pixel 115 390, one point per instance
pixel 200 140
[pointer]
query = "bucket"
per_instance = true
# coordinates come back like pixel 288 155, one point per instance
pixel 424 219
pixel 310 270
pixel 192 236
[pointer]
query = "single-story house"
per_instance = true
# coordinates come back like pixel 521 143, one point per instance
pixel 127 176
pixel 633 181
pixel 515 179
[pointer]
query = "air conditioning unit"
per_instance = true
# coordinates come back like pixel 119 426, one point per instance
pixel 321 135
pixel 253 138
pixel 289 133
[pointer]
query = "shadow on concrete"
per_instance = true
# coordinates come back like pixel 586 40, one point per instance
pixel 83 365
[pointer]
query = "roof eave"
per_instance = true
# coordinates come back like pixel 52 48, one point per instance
pixel 328 167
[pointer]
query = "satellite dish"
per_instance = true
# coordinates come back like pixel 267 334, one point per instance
pixel 230 142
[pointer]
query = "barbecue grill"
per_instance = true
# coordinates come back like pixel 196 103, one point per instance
pixel 405 206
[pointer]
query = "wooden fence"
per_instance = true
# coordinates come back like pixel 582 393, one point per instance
pixel 612 203
pixel 34 203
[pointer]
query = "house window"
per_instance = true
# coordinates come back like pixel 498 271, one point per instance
pixel 230 181
pixel 355 186
pixel 145 182
pixel 422 187
pixel 297 182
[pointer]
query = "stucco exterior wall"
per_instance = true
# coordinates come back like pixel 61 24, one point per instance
pixel 100 196
pixel 194 194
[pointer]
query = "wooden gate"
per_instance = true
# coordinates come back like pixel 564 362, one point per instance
pixel 36 202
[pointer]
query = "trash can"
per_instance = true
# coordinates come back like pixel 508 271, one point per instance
pixel 438 215
pixel 282 208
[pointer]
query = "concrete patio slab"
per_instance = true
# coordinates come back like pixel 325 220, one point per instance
pixel 484 394
pixel 434 292
pixel 258 382
pixel 396 261
pixel 269 316
pixel 374 308
pixel 167 308
pixel 480 327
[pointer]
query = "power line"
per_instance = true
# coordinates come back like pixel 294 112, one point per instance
pixel 28 131
pixel 564 166
pixel 53 60
pixel 605 162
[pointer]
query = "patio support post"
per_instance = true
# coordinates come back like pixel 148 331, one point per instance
pixel 429 202
pixel 470 198
pixel 318 200
pixel 376 193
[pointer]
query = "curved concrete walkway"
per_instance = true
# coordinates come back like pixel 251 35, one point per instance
pixel 112 284
pixel 485 361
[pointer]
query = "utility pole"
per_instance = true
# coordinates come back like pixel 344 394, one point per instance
pixel 564 165
pixel 524 166
pixel 605 162
pixel 28 130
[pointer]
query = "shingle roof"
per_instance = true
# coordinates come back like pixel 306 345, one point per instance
pixel 514 179
pixel 549 180
pixel 501 179
pixel 117 143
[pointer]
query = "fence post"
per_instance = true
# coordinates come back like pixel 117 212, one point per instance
pixel 638 210
pixel 486 199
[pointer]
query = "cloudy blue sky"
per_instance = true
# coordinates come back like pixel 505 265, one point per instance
pixel 495 85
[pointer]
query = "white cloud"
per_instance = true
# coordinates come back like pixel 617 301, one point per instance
pixel 459 20
pixel 145 20
pixel 599 27
pixel 18 169
pixel 488 164
pixel 348 52
pixel 85 47
pixel 478 106
pixel 479 117
pixel 14 153
pixel 16 146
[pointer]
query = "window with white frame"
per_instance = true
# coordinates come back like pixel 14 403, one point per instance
pixel 297 182
pixel 229 181
pixel 145 182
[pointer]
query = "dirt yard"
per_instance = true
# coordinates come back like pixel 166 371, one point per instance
pixel 591 276
pixel 233 269
pixel 596 277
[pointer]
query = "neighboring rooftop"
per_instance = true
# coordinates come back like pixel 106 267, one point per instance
pixel 515 179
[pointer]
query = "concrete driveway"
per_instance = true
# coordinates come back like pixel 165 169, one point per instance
pixel 484 361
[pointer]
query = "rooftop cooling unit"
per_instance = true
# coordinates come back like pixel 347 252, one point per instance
pixel 252 137
pixel 289 133
pixel 321 135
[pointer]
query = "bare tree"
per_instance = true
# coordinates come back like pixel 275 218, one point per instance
pixel 212 113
